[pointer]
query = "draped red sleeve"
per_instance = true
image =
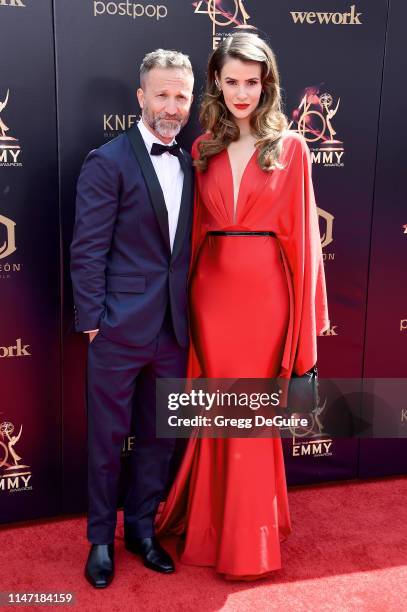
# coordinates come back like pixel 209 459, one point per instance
pixel 302 254
pixel 198 234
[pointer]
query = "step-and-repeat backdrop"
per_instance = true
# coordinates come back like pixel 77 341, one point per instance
pixel 67 85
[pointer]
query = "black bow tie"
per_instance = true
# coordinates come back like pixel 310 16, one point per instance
pixel 159 149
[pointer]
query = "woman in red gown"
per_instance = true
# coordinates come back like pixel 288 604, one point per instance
pixel 257 303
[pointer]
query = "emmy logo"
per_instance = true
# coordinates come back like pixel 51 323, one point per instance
pixel 9 147
pixel 3 126
pixel 15 476
pixel 404 227
pixel 316 444
pixel 312 448
pixel 6 431
pixel 313 119
pixel 224 14
pixel 314 427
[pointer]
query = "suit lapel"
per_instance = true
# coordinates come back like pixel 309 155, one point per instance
pixel 185 207
pixel 152 182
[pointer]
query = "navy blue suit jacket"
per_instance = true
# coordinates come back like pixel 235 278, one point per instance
pixel 122 268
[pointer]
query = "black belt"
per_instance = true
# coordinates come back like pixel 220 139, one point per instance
pixel 237 233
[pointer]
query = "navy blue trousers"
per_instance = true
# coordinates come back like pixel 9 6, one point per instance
pixel 113 371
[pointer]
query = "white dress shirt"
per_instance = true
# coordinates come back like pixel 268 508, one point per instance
pixel 170 175
pixel 171 178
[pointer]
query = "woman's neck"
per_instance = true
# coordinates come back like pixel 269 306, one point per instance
pixel 244 127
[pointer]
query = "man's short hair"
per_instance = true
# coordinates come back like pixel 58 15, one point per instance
pixel 164 58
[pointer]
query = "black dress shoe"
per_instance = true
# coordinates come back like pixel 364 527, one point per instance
pixel 99 569
pixel 153 555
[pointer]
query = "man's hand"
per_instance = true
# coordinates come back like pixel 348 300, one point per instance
pixel 92 335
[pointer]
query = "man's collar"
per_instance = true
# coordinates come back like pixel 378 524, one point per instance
pixel 149 138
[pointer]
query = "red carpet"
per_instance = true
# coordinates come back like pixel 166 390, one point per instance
pixel 348 552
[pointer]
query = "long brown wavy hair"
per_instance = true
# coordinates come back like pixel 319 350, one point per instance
pixel 267 121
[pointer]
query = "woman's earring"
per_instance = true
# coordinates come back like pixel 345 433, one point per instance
pixel 218 85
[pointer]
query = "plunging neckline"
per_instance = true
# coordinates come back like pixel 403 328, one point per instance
pixel 235 207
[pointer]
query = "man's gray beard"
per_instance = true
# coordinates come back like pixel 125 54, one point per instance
pixel 167 128
pixel 164 127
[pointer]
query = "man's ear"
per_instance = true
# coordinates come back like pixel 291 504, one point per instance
pixel 140 97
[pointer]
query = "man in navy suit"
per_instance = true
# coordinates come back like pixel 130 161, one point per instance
pixel 129 264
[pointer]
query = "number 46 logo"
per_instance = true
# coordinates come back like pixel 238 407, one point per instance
pixel 223 13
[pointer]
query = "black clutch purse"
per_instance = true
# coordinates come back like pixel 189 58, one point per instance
pixel 302 396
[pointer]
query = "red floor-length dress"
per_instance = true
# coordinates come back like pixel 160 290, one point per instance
pixel 256 306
